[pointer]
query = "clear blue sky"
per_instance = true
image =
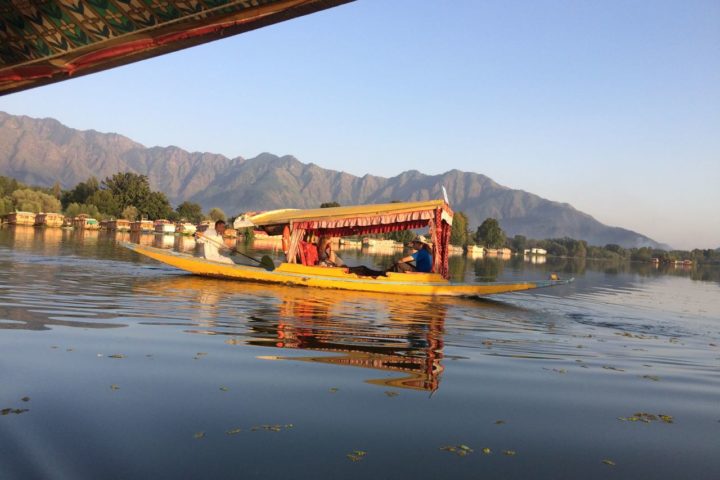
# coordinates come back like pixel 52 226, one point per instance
pixel 612 106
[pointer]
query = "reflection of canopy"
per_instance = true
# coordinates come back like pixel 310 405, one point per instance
pixel 362 220
pixel 45 41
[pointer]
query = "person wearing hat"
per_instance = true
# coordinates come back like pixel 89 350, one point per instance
pixel 422 258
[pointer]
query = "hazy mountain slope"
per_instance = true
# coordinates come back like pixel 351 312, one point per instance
pixel 43 151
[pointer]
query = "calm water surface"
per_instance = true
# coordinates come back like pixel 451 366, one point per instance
pixel 117 367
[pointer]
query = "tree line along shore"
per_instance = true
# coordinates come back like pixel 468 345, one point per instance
pixel 128 196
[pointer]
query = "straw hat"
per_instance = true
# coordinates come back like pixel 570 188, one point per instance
pixel 420 239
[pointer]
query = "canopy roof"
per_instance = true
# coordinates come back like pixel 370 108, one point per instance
pixel 359 218
pixel 45 41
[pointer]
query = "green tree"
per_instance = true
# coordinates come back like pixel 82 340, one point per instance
pixel 130 213
pixel 81 192
pixel 106 202
pixel 8 185
pixel 519 243
pixel 57 190
pixel 130 189
pixel 192 212
pixel 28 200
pixel 216 214
pixel 156 206
pixel 459 233
pixel 402 236
pixel 6 205
pixel 489 234
pixel 75 209
pixel 329 204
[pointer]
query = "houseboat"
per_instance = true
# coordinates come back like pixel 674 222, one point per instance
pixel 203 226
pixel 230 233
pixel 299 225
pixel 142 226
pixel 164 227
pixel 119 225
pixel 20 218
pixel 475 251
pixel 85 222
pixel 381 243
pixel 49 220
pixel 185 228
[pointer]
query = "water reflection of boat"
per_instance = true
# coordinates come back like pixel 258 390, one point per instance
pixel 301 225
pixel 184 243
pixel 273 244
pixel 367 330
pixel 535 259
pixel 475 251
pixel 163 241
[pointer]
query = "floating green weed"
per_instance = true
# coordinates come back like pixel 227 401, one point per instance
pixel 459 450
pixel 647 418
pixel 356 455
pixel 16 411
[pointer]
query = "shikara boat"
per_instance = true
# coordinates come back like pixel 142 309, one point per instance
pixel 296 225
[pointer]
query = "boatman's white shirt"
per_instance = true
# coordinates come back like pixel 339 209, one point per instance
pixel 209 249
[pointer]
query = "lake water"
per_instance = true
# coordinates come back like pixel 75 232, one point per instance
pixel 117 367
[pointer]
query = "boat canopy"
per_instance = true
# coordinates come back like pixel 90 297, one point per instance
pixel 360 220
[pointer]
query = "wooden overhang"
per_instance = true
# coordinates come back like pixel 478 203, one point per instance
pixel 46 41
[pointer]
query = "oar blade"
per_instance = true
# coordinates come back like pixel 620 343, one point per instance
pixel 267 263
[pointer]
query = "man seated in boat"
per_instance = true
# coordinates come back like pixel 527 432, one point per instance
pixel 326 253
pixel 213 242
pixel 422 258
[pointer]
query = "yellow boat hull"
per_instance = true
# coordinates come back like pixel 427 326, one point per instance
pixel 335 278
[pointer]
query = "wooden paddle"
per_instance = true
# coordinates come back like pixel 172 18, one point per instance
pixel 266 262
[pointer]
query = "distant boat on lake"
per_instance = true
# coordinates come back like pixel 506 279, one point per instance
pixel 119 225
pixel 185 228
pixel 164 227
pixel 85 222
pixel 20 218
pixel 142 226
pixel 49 220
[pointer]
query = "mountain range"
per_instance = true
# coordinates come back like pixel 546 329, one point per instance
pixel 44 151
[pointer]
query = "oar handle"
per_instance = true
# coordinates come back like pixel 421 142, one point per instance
pixel 222 245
